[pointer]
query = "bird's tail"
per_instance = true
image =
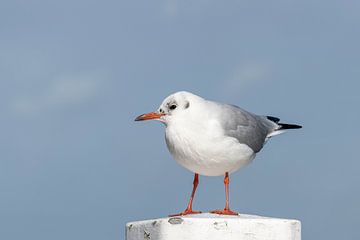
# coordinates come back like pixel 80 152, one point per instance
pixel 283 126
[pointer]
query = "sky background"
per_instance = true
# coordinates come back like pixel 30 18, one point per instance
pixel 74 75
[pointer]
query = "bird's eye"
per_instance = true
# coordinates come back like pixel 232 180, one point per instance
pixel 172 107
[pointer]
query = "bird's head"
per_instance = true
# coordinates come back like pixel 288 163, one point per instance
pixel 174 106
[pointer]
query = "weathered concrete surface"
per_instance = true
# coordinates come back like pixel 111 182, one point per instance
pixel 214 227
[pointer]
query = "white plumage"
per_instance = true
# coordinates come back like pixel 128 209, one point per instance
pixel 198 142
pixel 210 138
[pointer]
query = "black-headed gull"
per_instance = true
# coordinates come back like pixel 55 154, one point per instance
pixel 211 138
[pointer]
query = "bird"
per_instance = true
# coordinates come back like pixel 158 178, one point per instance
pixel 211 138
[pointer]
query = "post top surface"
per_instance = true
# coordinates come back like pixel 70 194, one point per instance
pixel 211 217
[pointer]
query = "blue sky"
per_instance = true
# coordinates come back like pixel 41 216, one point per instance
pixel 74 75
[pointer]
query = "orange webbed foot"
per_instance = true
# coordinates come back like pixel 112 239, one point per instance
pixel 224 212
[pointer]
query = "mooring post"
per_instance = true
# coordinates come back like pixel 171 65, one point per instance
pixel 208 226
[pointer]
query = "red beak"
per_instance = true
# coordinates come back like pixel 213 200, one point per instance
pixel 149 116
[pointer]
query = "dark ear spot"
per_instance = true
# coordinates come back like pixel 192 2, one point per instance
pixel 187 105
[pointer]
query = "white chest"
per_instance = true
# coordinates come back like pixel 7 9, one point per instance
pixel 204 149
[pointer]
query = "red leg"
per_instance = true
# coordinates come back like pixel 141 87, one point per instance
pixel 189 210
pixel 226 210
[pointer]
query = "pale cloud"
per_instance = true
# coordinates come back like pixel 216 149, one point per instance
pixel 244 76
pixel 171 8
pixel 62 91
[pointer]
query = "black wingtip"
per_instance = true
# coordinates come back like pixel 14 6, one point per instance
pixel 283 125
pixel 289 126
pixel 274 119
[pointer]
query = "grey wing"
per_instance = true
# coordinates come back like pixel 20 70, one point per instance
pixel 246 127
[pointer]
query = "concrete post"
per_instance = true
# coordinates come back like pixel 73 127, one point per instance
pixel 208 226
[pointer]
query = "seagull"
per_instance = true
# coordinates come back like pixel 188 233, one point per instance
pixel 212 139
